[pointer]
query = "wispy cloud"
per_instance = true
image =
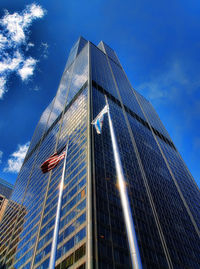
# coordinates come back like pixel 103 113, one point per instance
pixel 16 159
pixel 29 45
pixel 167 83
pixel 45 48
pixel 1 155
pixel 14 41
pixel 175 93
pixel 36 88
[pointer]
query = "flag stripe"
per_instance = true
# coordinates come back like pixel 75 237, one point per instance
pixel 53 159
pixel 52 162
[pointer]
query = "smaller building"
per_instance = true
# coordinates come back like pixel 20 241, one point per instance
pixel 5 193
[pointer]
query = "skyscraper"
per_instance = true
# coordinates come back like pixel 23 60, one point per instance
pixel 163 196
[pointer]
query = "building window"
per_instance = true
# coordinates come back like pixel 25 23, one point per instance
pixel 74 257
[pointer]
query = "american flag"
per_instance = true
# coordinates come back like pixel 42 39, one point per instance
pixel 52 162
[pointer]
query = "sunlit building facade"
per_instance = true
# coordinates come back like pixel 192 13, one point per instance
pixel 164 198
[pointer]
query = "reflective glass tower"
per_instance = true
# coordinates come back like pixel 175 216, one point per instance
pixel 164 198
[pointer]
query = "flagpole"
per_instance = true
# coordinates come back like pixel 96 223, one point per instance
pixel 56 228
pixel 131 234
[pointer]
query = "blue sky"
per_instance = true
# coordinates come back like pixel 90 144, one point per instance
pixel 157 42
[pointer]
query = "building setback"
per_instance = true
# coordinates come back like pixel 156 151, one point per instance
pixel 164 197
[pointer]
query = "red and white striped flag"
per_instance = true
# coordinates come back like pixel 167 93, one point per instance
pixel 52 162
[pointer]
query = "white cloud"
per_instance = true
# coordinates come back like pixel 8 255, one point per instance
pixel 1 155
pixel 16 24
pixel 13 24
pixel 2 86
pixel 3 41
pixel 16 159
pixel 14 41
pixel 27 69
pixel 10 64
pixel 36 11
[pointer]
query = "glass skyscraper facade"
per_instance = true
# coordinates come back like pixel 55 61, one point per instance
pixel 164 198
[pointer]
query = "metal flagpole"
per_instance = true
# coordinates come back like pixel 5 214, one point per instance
pixel 56 228
pixel 132 239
